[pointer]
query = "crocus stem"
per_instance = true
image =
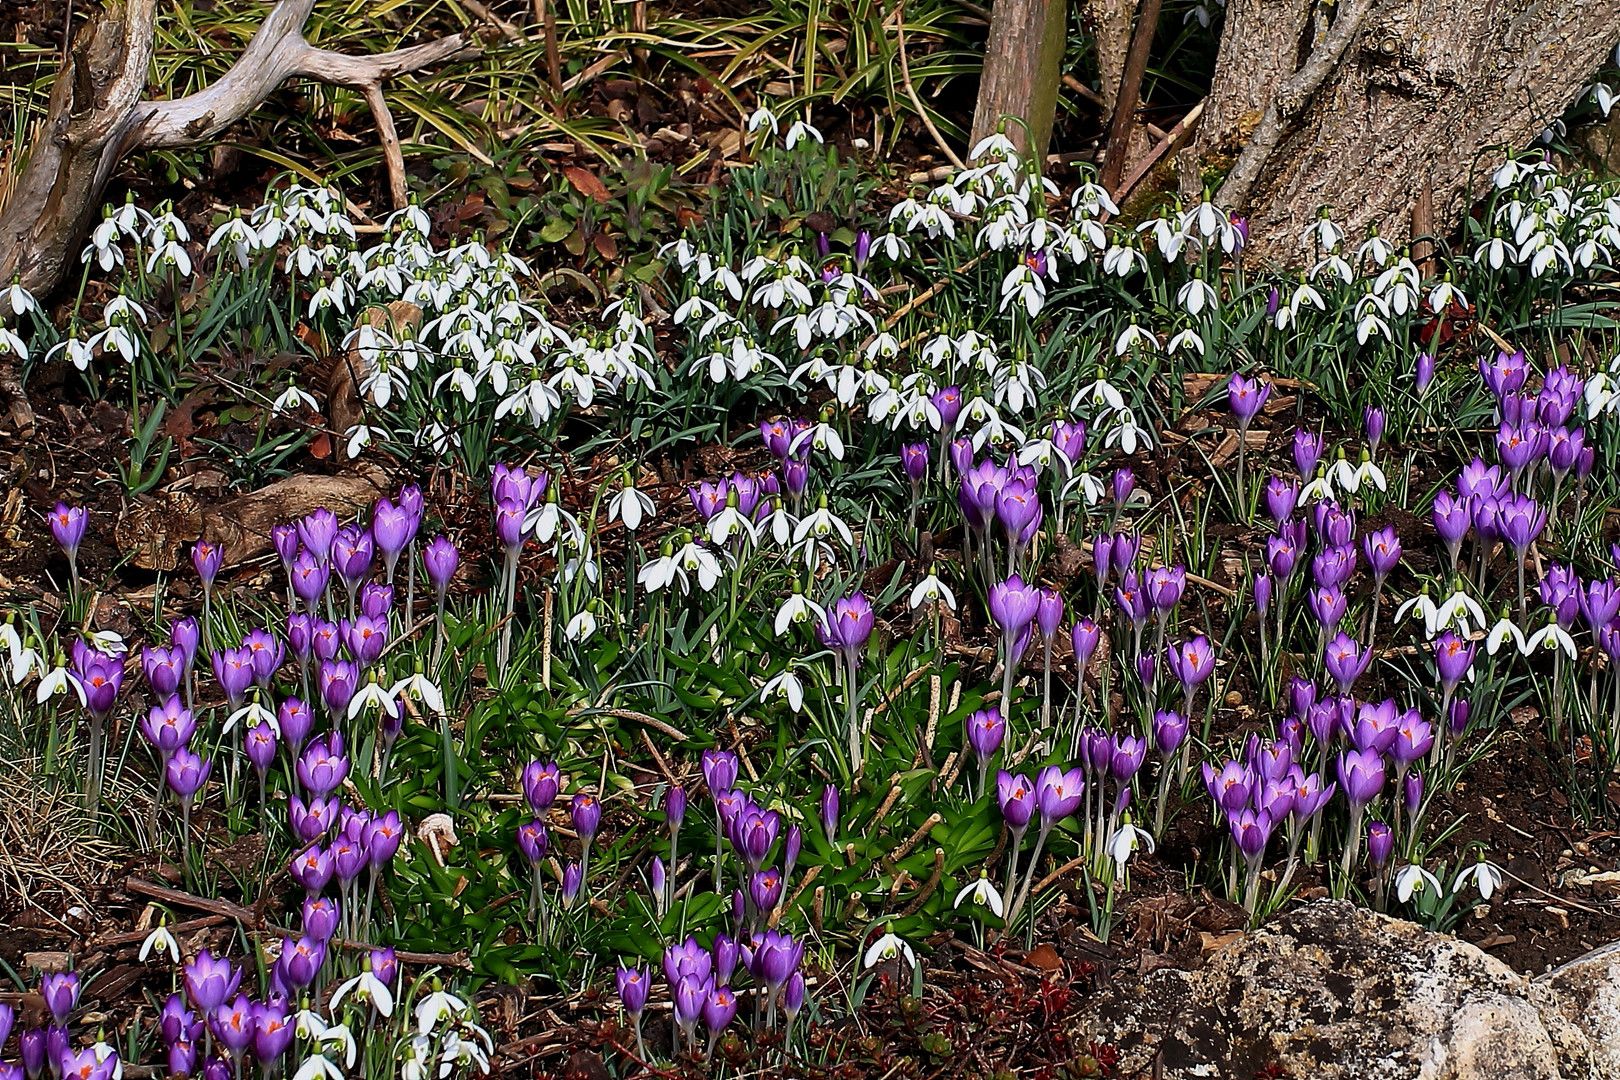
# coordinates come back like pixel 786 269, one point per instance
pixel 856 736
pixel 1251 886
pixel 94 793
pixel 1029 879
pixel 1046 686
pixel 1352 849
pixel 410 586
pixel 1012 860
pixel 1164 797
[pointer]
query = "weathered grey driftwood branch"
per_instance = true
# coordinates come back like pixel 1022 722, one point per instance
pixel 98 116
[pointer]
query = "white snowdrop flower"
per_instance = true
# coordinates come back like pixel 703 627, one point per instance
pixel 359 437
pixel 820 436
pixel 1125 842
pixel 1604 97
pixel 727 522
pixel 1196 295
pixel 821 523
pixel 161 941
pixel 801 130
pixel 292 399
pixel 58 680
pixel 1122 260
pixel 18 299
pixel 1098 393
pixel 251 715
pixel 1375 249
pixel 888 947
pixel 798 608
pixel 1412 878
pixel 436 1007
pixel 1187 339
pixel 892 246
pixel 21 660
pixel 372 693
pixel 12 345
pixel 368 988
pixel 785 685
pixel 1485 876
pixel 982 893
pixel 1444 294
pixel 581 627
pixel 1133 334
pixel 930 589
pixel 631 506
pixel 1126 433
pixel 762 118
pixel 239 238
pixel 1323 232
pixel 418 687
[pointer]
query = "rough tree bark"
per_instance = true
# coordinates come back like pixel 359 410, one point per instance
pixel 1022 62
pixel 1388 104
pixel 97 116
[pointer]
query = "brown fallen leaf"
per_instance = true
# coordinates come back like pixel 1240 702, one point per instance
pixel 586 182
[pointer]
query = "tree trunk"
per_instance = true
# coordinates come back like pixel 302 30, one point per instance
pixel 1392 103
pixel 1022 61
pixel 97 116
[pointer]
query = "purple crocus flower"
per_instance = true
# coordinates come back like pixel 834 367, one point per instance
pixel 1246 397
pixel 1124 485
pixel 186 773
pixel 352 553
pixel 914 460
pixel 1600 602
pixel 365 638
pixel 323 766
pixel 1328 605
pixel 1058 793
pixel 1191 663
pixel 318 530
pixel 586 812
pixel 1169 731
pixel 207 557
pixel 532 841
pixel 1414 737
pixel 1281 498
pixel 309 578
pixel 1453 656
pixel 829 813
pixel 1361 775
pixel 265 655
pixel 261 747
pixel 392 529
pixel 1133 600
pixel 61 993
pixel 1334 566
pixel 233 670
pixel 1013 605
pixel 1084 637
pixel 440 558
pixel 1520 520
pixel 210 981
pixel 1375 727
pixel 541 782
pixel 1251 832
pixel 849 626
pixel 321 916
pixel 1505 373
pixel 1164 586
pixel 338 680
pixel 67 527
pixel 765 889
pixel 1383 551
pixel 1345 661
pixel 164 669
pixel 273 1031
pixel 633 985
pixel 1016 798
pixel 1307 452
pixel 1282 555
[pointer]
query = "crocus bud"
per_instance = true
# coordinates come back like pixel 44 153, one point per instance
pixel 1412 791
pixel 207 557
pixel 440 558
pixel 1425 372
pixel 675 809
pixel 1380 843
pixel 829 814
pixel 1262 593
pixel 633 984
pixel 571 880
pixel 61 993
pixel 1124 485
pixel 587 815
pixel 1374 419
